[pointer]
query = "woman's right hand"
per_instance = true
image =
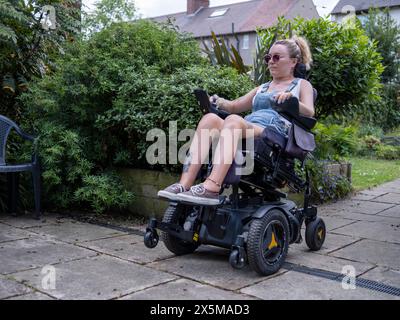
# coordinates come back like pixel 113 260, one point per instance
pixel 220 102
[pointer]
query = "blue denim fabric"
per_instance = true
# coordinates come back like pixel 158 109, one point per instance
pixel 263 113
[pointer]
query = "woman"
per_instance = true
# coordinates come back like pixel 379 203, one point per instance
pixel 282 59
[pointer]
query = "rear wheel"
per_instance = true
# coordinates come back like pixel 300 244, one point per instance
pixel 268 242
pixel 177 215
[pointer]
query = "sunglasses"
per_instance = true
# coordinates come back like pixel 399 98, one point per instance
pixel 275 58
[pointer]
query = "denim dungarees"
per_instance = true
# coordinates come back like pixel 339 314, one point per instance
pixel 263 113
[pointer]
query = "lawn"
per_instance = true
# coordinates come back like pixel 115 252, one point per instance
pixel 368 173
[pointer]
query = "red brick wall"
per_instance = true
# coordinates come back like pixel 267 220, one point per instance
pixel 194 5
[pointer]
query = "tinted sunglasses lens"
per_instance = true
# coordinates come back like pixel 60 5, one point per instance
pixel 275 58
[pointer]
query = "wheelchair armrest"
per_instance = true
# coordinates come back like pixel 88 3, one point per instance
pixel 221 113
pixel 290 110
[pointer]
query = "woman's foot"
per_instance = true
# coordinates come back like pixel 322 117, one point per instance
pixel 198 194
pixel 172 191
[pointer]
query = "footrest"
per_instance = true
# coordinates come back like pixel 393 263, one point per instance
pixel 222 200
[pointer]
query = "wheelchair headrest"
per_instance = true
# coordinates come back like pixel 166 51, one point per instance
pixel 300 71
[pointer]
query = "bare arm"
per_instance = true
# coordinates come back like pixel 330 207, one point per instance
pixel 306 103
pixel 238 105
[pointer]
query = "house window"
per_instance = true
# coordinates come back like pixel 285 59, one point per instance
pixel 218 13
pixel 246 39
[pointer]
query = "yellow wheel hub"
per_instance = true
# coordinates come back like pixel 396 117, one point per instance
pixel 273 243
pixel 320 233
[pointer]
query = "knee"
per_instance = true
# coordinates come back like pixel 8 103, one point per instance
pixel 210 121
pixel 233 121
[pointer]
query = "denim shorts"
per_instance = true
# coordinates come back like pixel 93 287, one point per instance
pixel 269 117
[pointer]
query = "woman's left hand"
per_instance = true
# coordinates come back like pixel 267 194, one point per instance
pixel 282 96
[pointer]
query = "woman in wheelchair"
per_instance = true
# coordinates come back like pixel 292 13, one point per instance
pixel 283 59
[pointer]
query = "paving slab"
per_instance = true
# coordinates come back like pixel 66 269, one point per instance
pixel 393 212
pixel 384 275
pixel 10 288
pixel 32 296
pixel 366 207
pixel 299 286
pixel 367 195
pixel 332 222
pixel 210 265
pixel 364 217
pixel 184 289
pixel 73 231
pixel 389 198
pixel 37 252
pixel 374 252
pixel 28 221
pixel 8 233
pixel 129 247
pixel 332 242
pixel 99 278
pixel 386 232
pixel 323 262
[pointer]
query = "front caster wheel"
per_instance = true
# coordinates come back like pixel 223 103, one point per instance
pixel 151 239
pixel 236 259
pixel 315 234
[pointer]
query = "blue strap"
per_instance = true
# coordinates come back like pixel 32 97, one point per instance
pixel 293 84
pixel 290 88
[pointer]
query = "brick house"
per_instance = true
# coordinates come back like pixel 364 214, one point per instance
pixel 238 22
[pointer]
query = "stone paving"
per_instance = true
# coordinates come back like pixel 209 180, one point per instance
pixel 96 262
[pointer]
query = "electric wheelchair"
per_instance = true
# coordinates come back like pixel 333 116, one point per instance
pixel 255 221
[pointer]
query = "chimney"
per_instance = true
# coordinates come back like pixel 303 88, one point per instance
pixel 194 5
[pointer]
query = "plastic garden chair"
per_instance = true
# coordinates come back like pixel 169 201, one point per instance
pixel 13 170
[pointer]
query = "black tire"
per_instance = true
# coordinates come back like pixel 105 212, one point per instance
pixel 315 234
pixel 272 229
pixel 235 260
pixel 151 239
pixel 177 246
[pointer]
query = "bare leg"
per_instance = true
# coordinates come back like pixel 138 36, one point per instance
pixel 200 148
pixel 234 128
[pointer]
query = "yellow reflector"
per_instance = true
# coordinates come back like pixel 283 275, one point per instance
pixel 273 243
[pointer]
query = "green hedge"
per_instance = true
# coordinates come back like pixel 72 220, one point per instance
pixel 347 66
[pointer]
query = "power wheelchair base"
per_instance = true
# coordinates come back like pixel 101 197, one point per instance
pixel 256 231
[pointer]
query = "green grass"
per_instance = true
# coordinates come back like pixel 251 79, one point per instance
pixel 368 173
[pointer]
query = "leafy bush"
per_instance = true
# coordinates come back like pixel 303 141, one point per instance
pixel 103 192
pixel 384 114
pixel 27 49
pixel 326 186
pixel 347 66
pixel 381 27
pixel 334 141
pixel 387 152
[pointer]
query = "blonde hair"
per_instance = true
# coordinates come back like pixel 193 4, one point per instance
pixel 299 48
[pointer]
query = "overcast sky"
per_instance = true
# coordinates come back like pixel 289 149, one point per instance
pixel 153 8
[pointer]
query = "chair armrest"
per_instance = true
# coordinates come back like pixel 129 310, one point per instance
pixel 290 110
pixel 221 113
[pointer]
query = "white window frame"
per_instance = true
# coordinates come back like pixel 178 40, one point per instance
pixel 246 42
